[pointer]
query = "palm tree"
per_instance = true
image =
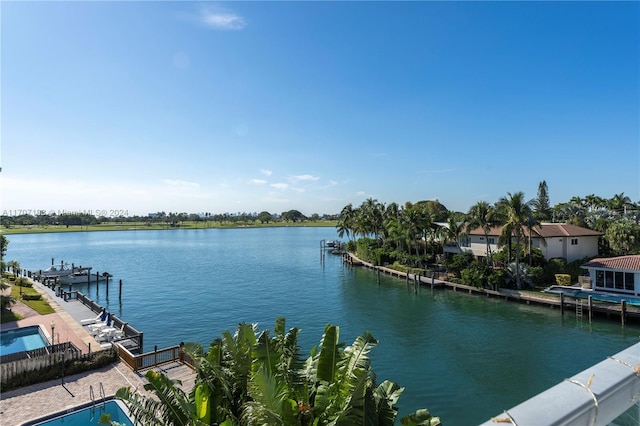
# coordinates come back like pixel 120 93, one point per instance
pixel 482 215
pixel 345 221
pixel 619 203
pixel 516 213
pixel 455 231
pixel 14 265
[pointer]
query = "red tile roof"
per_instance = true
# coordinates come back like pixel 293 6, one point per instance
pixel 621 263
pixel 546 230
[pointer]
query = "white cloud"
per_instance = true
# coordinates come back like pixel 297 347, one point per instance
pixel 258 181
pixel 280 186
pixel 299 178
pixel 360 193
pixel 181 183
pixel 266 172
pixel 221 19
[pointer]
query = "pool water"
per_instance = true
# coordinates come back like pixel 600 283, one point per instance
pixel 595 295
pixel 21 339
pixel 84 416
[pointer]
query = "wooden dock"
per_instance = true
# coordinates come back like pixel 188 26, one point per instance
pixel 580 306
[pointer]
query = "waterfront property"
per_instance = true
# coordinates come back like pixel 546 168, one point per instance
pixel 555 240
pixel 617 274
pixel 443 347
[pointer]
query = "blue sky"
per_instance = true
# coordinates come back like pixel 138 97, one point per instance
pixel 251 106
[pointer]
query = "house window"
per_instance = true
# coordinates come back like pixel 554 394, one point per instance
pixel 619 280
pixel 608 279
pixel 599 278
pixel 574 241
pixel 629 281
pixel 491 240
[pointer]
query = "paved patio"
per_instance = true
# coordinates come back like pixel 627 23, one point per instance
pixel 32 402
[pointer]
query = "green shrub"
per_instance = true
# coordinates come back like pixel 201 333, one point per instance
pixel 536 274
pixel 563 279
pixel 497 279
pixel 26 296
pixel 23 282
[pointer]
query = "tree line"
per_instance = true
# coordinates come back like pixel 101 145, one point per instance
pixel 173 219
pixel 413 234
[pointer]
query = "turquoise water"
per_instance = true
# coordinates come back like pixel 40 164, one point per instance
pixel 89 416
pixel 21 339
pixel 465 358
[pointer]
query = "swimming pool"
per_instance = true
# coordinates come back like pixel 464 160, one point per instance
pixel 598 296
pixel 22 339
pixel 88 414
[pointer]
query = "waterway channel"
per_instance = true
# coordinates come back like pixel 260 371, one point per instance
pixel 463 357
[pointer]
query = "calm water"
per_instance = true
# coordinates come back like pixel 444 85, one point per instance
pixel 465 358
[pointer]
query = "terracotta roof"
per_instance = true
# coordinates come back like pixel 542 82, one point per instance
pixel 621 263
pixel 546 230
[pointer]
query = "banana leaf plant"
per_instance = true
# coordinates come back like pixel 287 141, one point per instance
pixel 251 379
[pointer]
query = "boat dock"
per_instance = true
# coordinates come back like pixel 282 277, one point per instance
pixel 590 308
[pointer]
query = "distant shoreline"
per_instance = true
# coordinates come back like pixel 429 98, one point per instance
pixel 139 226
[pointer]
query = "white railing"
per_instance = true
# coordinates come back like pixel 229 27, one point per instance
pixel 596 396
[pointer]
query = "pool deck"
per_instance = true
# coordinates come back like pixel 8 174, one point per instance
pixel 32 402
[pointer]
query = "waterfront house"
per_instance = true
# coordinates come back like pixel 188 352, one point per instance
pixel 555 240
pixel 618 274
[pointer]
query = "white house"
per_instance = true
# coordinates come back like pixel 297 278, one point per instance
pixel 556 240
pixel 619 274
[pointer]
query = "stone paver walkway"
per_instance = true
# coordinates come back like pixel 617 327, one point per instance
pixel 32 402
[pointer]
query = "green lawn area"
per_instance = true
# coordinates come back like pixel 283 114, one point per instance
pixel 40 306
pixel 128 226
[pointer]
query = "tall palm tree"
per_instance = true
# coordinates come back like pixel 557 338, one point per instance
pixel 482 215
pixel 516 213
pixel 345 221
pixel 619 203
pixel 455 231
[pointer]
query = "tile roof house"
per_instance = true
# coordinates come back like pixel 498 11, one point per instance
pixel 555 240
pixel 620 274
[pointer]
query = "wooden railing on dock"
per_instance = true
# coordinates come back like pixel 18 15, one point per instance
pixel 154 358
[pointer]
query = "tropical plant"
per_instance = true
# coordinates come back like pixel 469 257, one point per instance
pixel 14 266
pixel 516 213
pixel 624 237
pixel 482 215
pixel 519 275
pixel 250 379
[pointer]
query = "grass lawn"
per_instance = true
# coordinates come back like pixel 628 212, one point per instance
pixel 40 306
pixel 140 226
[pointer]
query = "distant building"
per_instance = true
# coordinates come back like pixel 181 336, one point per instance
pixel 555 240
